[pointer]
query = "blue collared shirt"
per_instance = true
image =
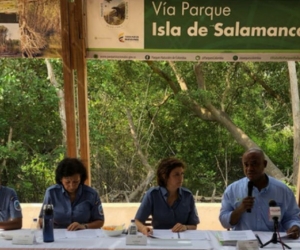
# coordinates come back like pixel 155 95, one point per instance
pixel 258 219
pixel 164 216
pixel 85 208
pixel 9 204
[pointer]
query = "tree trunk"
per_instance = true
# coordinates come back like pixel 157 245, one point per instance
pixel 296 118
pixel 60 94
pixel 211 113
pixel 143 159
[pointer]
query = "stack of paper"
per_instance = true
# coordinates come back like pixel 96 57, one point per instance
pixel 230 238
pixel 187 235
pixel 180 239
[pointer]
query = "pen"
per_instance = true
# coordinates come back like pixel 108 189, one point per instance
pixel 259 241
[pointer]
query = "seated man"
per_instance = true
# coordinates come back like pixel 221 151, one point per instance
pixel 236 202
pixel 10 209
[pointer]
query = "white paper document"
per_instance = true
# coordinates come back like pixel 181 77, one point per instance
pixel 237 235
pixel 164 234
pixel 267 236
pixel 88 233
pixel 188 235
pixel 180 243
pixel 230 238
pixel 194 235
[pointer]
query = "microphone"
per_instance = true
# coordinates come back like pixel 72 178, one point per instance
pixel 274 211
pixel 250 189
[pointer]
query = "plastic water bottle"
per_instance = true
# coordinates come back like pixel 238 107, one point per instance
pixel 34 227
pixel 132 227
pixel 48 231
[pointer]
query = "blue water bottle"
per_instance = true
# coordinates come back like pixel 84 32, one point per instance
pixel 48 233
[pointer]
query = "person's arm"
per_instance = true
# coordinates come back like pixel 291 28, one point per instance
pixel 229 214
pixel 290 214
pixel 47 200
pixel 180 227
pixel 294 232
pixel 193 219
pixel 94 224
pixel 236 214
pixel 41 222
pixel 14 212
pixel 143 213
pixel 142 228
pixel 91 225
pixel 190 227
pixel 15 223
pixel 97 216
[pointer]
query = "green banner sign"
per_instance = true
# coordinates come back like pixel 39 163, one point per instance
pixel 215 30
pixel 223 25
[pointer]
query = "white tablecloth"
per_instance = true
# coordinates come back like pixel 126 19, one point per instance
pixel 97 240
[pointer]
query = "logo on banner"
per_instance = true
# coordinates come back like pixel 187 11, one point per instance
pixel 114 12
pixel 121 37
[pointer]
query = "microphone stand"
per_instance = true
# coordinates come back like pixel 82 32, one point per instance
pixel 274 239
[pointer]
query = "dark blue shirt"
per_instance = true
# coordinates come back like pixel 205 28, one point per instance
pixel 85 208
pixel 9 204
pixel 164 216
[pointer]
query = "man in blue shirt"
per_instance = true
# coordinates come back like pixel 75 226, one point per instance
pixel 10 209
pixel 236 202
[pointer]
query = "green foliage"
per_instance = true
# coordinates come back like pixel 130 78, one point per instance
pixel 292 187
pixel 165 122
pixel 172 129
pixel 29 116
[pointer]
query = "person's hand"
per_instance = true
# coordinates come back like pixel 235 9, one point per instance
pixel 75 226
pixel 179 228
pixel 146 231
pixel 294 232
pixel 247 203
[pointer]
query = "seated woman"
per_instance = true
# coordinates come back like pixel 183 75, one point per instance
pixel 10 209
pixel 170 205
pixel 76 205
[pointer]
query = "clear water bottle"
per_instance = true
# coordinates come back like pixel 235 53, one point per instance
pixel 34 225
pixel 33 228
pixel 48 231
pixel 132 227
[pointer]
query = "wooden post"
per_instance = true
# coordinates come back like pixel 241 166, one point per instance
pixel 79 48
pixel 75 71
pixel 68 80
pixel 298 188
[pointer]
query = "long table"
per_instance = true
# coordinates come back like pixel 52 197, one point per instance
pixel 97 240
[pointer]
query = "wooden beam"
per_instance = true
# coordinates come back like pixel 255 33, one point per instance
pixel 298 187
pixel 81 67
pixel 68 80
pixel 75 80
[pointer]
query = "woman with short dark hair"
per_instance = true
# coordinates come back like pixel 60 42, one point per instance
pixel 69 167
pixel 170 205
pixel 76 205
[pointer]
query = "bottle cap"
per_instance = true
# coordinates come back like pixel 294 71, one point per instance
pixel 48 209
